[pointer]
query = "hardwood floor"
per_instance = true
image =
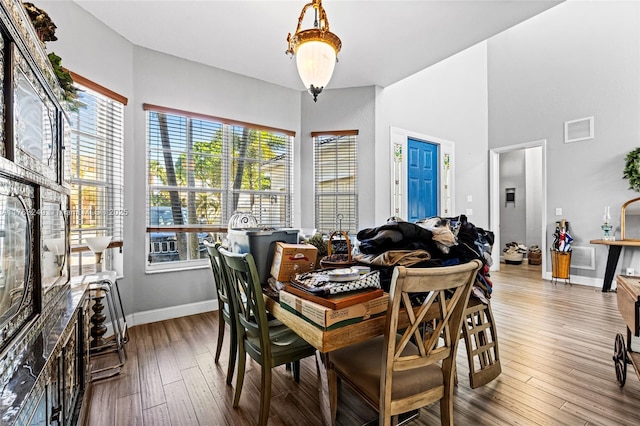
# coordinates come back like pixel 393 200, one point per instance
pixel 556 347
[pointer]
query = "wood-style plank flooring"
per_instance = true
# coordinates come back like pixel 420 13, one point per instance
pixel 556 347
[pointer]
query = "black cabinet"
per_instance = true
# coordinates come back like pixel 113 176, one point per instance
pixel 44 320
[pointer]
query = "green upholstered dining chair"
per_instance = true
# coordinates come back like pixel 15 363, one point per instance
pixel 269 343
pixel 225 307
pixel 409 368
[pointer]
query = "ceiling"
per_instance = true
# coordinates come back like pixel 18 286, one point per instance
pixel 382 41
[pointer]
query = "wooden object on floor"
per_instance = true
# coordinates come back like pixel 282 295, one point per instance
pixel 481 341
pixel 409 367
pixel 628 297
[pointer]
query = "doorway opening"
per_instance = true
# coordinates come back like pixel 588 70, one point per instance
pixel 518 197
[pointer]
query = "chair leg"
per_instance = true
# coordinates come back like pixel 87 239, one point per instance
pixel 221 325
pixel 265 395
pixel 295 366
pixel 233 349
pixel 446 408
pixel 242 359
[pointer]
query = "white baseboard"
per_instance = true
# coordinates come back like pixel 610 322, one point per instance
pixel 170 312
pixel 577 279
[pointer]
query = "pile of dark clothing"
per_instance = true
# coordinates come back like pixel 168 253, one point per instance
pixel 427 243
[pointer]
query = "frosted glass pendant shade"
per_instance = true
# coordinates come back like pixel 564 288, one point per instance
pixel 316 61
pixel 316 50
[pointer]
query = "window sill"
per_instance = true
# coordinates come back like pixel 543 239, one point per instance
pixel 77 248
pixel 177 266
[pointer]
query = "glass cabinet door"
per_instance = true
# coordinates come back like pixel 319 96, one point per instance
pixel 16 292
pixel 34 122
pixel 54 249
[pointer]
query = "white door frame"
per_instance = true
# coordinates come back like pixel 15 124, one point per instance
pixel 494 197
pixel 397 150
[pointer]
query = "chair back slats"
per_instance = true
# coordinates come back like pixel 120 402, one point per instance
pixel 220 278
pixel 245 284
pixel 422 343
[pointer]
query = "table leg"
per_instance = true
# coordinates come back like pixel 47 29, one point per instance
pixel 612 263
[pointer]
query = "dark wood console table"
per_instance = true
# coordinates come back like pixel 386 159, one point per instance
pixel 615 247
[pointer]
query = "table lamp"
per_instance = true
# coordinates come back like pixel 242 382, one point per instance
pixel 98 245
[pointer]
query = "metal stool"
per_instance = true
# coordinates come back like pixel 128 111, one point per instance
pixel 104 285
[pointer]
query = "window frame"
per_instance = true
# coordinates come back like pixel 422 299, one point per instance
pixel 229 129
pixel 116 190
pixel 340 224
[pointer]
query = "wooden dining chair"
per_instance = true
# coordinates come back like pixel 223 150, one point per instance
pixel 409 368
pixel 269 343
pixel 225 308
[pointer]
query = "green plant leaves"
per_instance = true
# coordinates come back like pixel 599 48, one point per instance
pixel 632 169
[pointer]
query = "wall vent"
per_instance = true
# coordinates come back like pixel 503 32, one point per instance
pixel 578 130
pixel 583 257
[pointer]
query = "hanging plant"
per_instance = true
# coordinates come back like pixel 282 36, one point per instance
pixel 632 169
pixel 66 82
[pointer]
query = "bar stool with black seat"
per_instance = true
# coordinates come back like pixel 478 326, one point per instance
pixel 225 307
pixel 270 344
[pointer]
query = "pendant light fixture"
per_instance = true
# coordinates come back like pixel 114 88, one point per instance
pixel 316 50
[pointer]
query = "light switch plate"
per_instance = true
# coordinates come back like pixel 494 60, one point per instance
pixel 558 211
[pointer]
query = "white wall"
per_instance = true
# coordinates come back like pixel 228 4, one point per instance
pixel 446 101
pixel 576 60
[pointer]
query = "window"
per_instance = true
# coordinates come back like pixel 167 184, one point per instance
pixel 336 183
pixel 94 163
pixel 201 169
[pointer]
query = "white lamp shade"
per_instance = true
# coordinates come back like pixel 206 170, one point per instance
pixel 98 244
pixel 316 61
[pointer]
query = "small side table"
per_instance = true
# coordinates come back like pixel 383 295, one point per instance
pixel 103 287
pixel 615 247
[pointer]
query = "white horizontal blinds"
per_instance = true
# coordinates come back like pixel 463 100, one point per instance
pixel 96 167
pixel 184 169
pixel 261 173
pixel 336 180
pixel 201 169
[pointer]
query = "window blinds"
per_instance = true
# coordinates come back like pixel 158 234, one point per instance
pixel 94 160
pixel 336 180
pixel 201 169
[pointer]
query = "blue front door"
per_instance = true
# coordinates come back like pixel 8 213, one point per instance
pixel 422 179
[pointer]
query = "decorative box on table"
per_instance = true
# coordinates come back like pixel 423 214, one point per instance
pixel 290 259
pixel 328 319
